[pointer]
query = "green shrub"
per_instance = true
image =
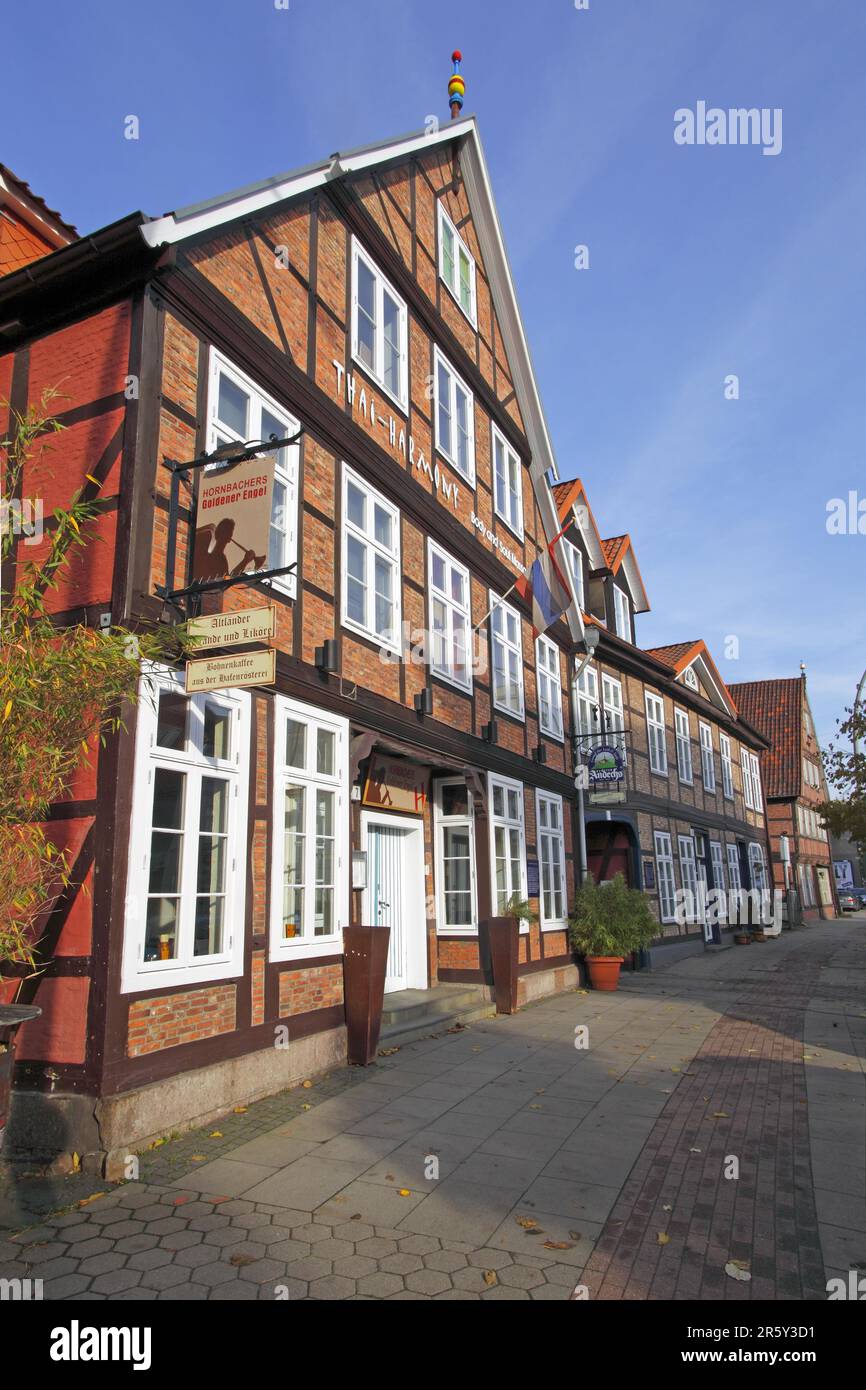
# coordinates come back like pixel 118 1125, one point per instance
pixel 610 919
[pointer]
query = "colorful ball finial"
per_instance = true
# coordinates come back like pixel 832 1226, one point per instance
pixel 456 85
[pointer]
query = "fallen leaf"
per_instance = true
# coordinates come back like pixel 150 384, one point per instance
pixel 241 1109
pixel 535 1107
pixel 558 1245
pixel 179 1201
pixel 527 1222
pixel 242 1260
pixel 490 1278
pixel 721 1115
pixel 217 1200
pixel 695 1151
pixel 217 1134
pixel 92 1198
pixel 389 1177
pixel 667 1207
pixel 662 1239
pixel 575 1235
pixel 306 1085
pixel 198 1158
pixel 734 1269
pixel 404 1192
pixel 306 1107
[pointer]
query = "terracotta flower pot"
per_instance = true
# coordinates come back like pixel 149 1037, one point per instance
pixel 604 971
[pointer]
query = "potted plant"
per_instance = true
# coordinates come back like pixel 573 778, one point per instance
pixel 608 922
pixel 503 935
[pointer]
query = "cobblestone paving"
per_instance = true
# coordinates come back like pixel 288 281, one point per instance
pixel 556 1165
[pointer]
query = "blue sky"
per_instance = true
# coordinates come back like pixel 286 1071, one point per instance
pixel 704 261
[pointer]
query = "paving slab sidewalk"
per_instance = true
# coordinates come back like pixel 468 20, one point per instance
pixel 500 1161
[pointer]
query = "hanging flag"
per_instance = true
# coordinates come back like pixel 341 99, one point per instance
pixel 546 590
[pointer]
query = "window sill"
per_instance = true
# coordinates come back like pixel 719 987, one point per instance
pixel 473 321
pixel 302 948
pixel 154 977
pixel 373 638
pixel 402 406
pixel 504 519
pixel 468 479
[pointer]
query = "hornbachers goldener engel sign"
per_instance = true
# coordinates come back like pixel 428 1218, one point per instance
pixel 233 520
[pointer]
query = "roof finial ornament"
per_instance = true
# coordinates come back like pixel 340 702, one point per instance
pixel 456 86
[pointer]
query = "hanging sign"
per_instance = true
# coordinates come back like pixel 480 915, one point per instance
pixel 227 672
pixel 604 764
pixel 606 798
pixel 233 629
pixel 233 519
pixel 395 785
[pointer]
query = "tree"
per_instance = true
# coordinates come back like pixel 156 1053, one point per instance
pixel 845 770
pixel 62 691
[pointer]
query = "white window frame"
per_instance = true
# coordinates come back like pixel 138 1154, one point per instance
pixel 455 384
pixel 138 974
pixel 622 613
pixel 727 767
pixel 708 762
pixel 314 719
pixel 441 823
pixel 446 671
pixel 717 859
pixel 551 854
pixel 515 648
pixel 389 642
pixel 683 739
pixel 507 823
pixel 614 713
pixel 656 741
pixel 665 876
pixel 513 520
pixel 746 763
pixel 735 877
pixel 757 794
pixel 590 730
pixel 376 372
pixel 689 875
pixel 454 288
pixel 285 470
pixel 576 563
pixel 548 677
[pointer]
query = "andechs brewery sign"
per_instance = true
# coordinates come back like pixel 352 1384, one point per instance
pixel 604 765
pixel 233 629
pixel 393 785
pixel 228 672
pixel 233 519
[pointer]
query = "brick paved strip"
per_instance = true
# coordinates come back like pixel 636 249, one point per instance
pixel 743 1096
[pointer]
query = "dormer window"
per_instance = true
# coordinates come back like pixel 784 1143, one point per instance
pixel 621 613
pixel 689 678
pixel 457 265
pixel 575 561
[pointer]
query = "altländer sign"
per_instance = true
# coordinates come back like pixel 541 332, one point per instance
pixel 233 629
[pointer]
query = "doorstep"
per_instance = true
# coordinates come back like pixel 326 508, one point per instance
pixel 410 1014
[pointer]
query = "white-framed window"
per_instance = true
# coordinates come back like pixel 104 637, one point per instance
pixel 507 843
pixel 655 718
pixel 239 411
pixel 734 875
pixel 746 763
pixel 549 687
pixel 684 745
pixel 756 782
pixel 371 562
pixel 457 265
pixel 708 766
pixel 551 860
pixel 665 876
pixel 310 881
pixel 727 767
pixel 450 620
pixel 717 862
pixel 588 729
pixel 379 327
pixel 454 412
pixel 575 562
pixel 621 613
pixel 614 713
pixel 187 868
pixel 507 483
pixel 757 866
pixel 689 876
pixel 456 899
pixel 507 643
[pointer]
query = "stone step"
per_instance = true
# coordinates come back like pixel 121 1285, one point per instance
pixel 410 1014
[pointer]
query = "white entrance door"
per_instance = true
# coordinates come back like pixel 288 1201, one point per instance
pixel 395 896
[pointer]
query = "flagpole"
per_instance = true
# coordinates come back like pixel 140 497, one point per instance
pixel 498 599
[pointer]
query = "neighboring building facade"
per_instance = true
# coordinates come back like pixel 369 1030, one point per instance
pixel 847 862
pixel 690 810
pixel 29 229
pixel 222 837
pixel 795 787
